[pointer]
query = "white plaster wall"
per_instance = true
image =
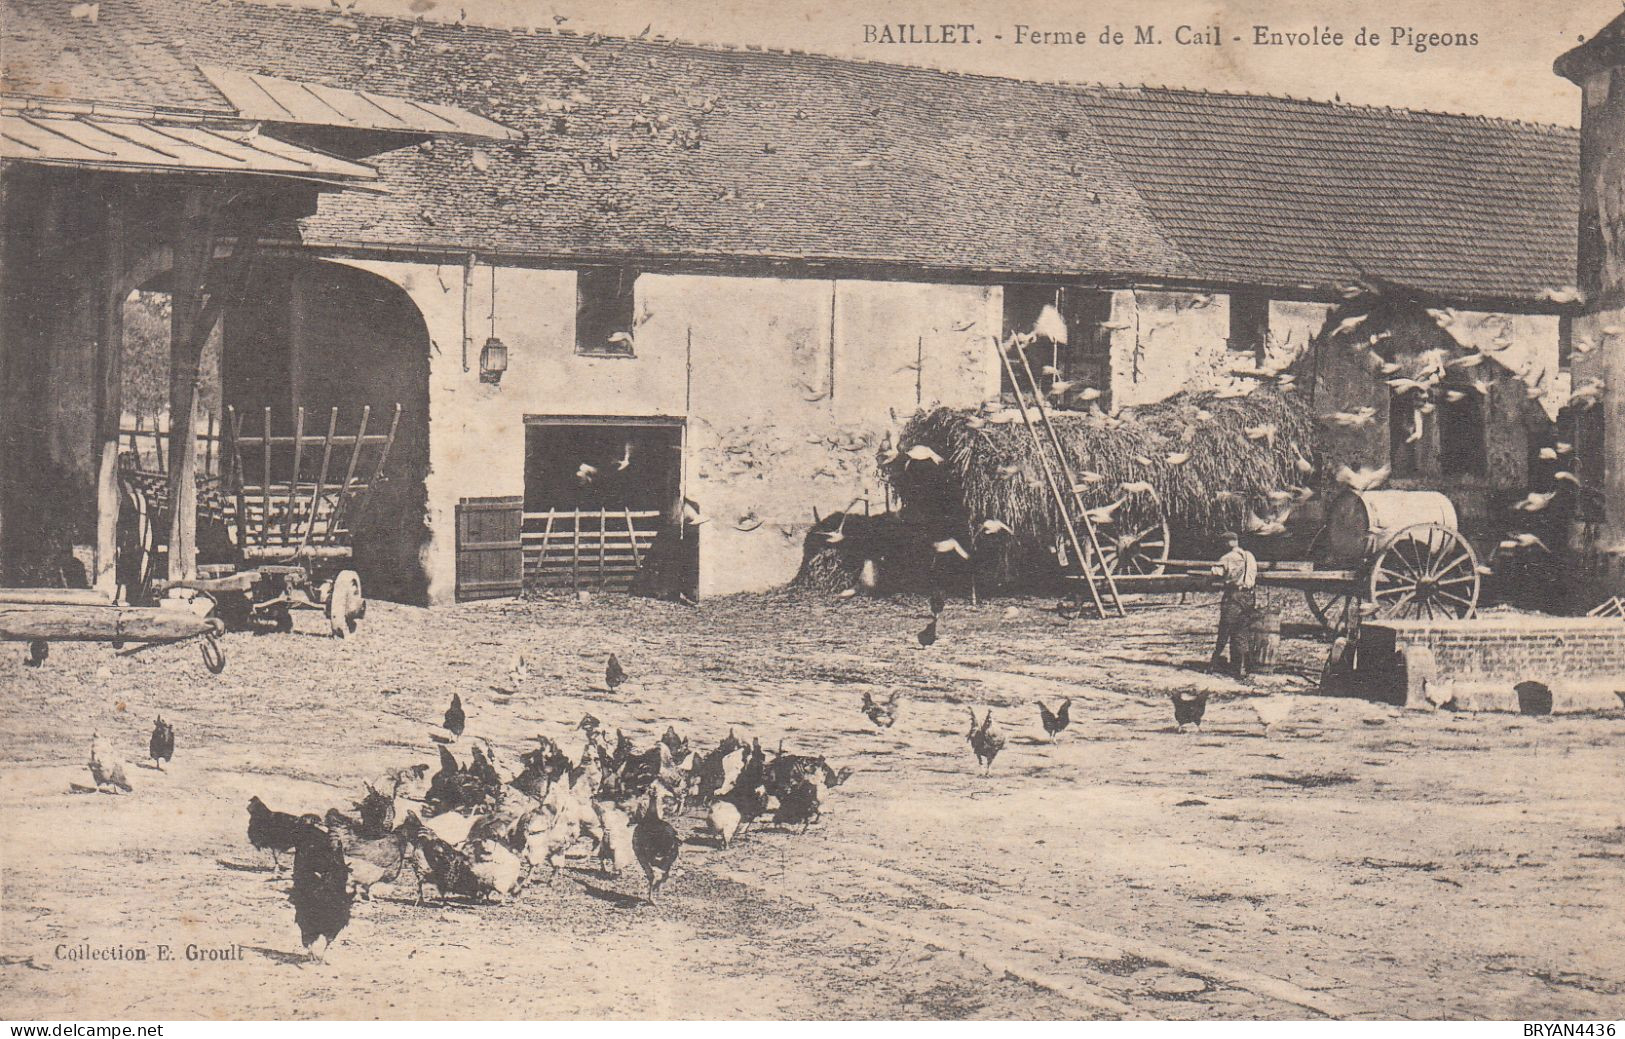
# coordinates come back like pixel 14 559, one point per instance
pixel 1531 342
pixel 748 361
pixel 1165 342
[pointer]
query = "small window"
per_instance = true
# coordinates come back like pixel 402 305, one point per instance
pixel 1084 359
pixel 1406 433
pixel 1249 323
pixel 604 315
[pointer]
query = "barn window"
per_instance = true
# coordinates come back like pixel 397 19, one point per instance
pixel 604 317
pixel 1462 448
pixel 1404 446
pixel 1085 358
pixel 1584 429
pixel 1249 323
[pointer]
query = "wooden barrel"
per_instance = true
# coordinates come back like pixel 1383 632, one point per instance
pixel 1264 639
pixel 1357 521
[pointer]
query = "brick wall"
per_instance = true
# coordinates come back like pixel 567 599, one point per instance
pixel 1477 663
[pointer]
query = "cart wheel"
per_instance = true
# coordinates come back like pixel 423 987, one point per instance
pixel 1135 546
pixel 345 604
pixel 1423 572
pixel 214 654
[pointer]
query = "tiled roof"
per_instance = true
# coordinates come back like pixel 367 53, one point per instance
pixel 650 150
pixel 108 52
pixel 1264 189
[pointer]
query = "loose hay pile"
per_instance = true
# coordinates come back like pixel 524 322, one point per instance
pixel 1240 448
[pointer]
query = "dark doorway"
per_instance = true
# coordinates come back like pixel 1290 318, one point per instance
pixel 597 491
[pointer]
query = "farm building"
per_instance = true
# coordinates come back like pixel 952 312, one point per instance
pixel 1598 68
pixel 730 275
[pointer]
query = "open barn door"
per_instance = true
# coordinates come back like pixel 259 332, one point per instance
pixel 597 491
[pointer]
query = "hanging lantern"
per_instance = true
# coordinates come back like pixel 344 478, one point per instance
pixel 493 360
pixel 494 354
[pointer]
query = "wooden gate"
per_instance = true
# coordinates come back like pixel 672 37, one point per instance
pixel 490 551
pixel 596 549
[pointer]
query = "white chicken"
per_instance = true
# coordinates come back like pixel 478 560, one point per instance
pixel 1272 710
pixel 105 767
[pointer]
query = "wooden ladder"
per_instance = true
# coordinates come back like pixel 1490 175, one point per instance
pixel 1086 556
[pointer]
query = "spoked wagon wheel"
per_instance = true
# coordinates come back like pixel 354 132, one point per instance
pixel 1135 546
pixel 345 604
pixel 1424 572
pixel 1331 609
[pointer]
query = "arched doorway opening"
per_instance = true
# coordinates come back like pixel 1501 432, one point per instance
pixel 314 348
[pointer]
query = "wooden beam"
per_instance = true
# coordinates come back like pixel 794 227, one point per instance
pixel 109 393
pixel 27 622
pixel 193 249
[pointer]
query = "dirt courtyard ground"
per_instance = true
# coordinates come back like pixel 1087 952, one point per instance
pixel 1357 861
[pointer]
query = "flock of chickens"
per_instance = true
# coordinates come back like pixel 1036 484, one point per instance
pixel 483 825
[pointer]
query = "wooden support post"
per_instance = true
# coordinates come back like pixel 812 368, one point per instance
pixel 194 247
pixel 109 395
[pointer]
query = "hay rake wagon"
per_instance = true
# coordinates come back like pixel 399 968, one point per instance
pixel 290 504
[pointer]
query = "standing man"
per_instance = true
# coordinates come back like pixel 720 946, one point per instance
pixel 1239 570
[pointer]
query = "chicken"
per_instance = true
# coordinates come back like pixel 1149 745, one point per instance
pixel 1189 706
pixel 724 820
pixel 883 713
pixel 984 741
pixel 276 832
pixel 1055 724
pixel 321 894
pixel 716 771
pixel 453 787
pixel 161 745
pixel 799 804
pixel 105 767
pixel 455 719
pixel 451 872
pixel 1272 710
pixel 615 846
pixel 927 636
pixel 748 792
pixel 614 674
pixel 371 861
pixel 655 844
pixel 499 870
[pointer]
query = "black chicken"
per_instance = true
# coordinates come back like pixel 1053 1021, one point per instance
pixel 321 893
pixel 614 674
pixel 161 746
pixel 1188 709
pixel 375 815
pixel 655 844
pixel 451 872
pixel 1055 724
pixel 455 788
pixel 678 745
pixel 749 791
pixel 277 832
pixel 984 741
pixel 928 635
pixel 800 804
pixel 883 713
pixel 455 719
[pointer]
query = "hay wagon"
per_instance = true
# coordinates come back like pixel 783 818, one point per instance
pixel 289 504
